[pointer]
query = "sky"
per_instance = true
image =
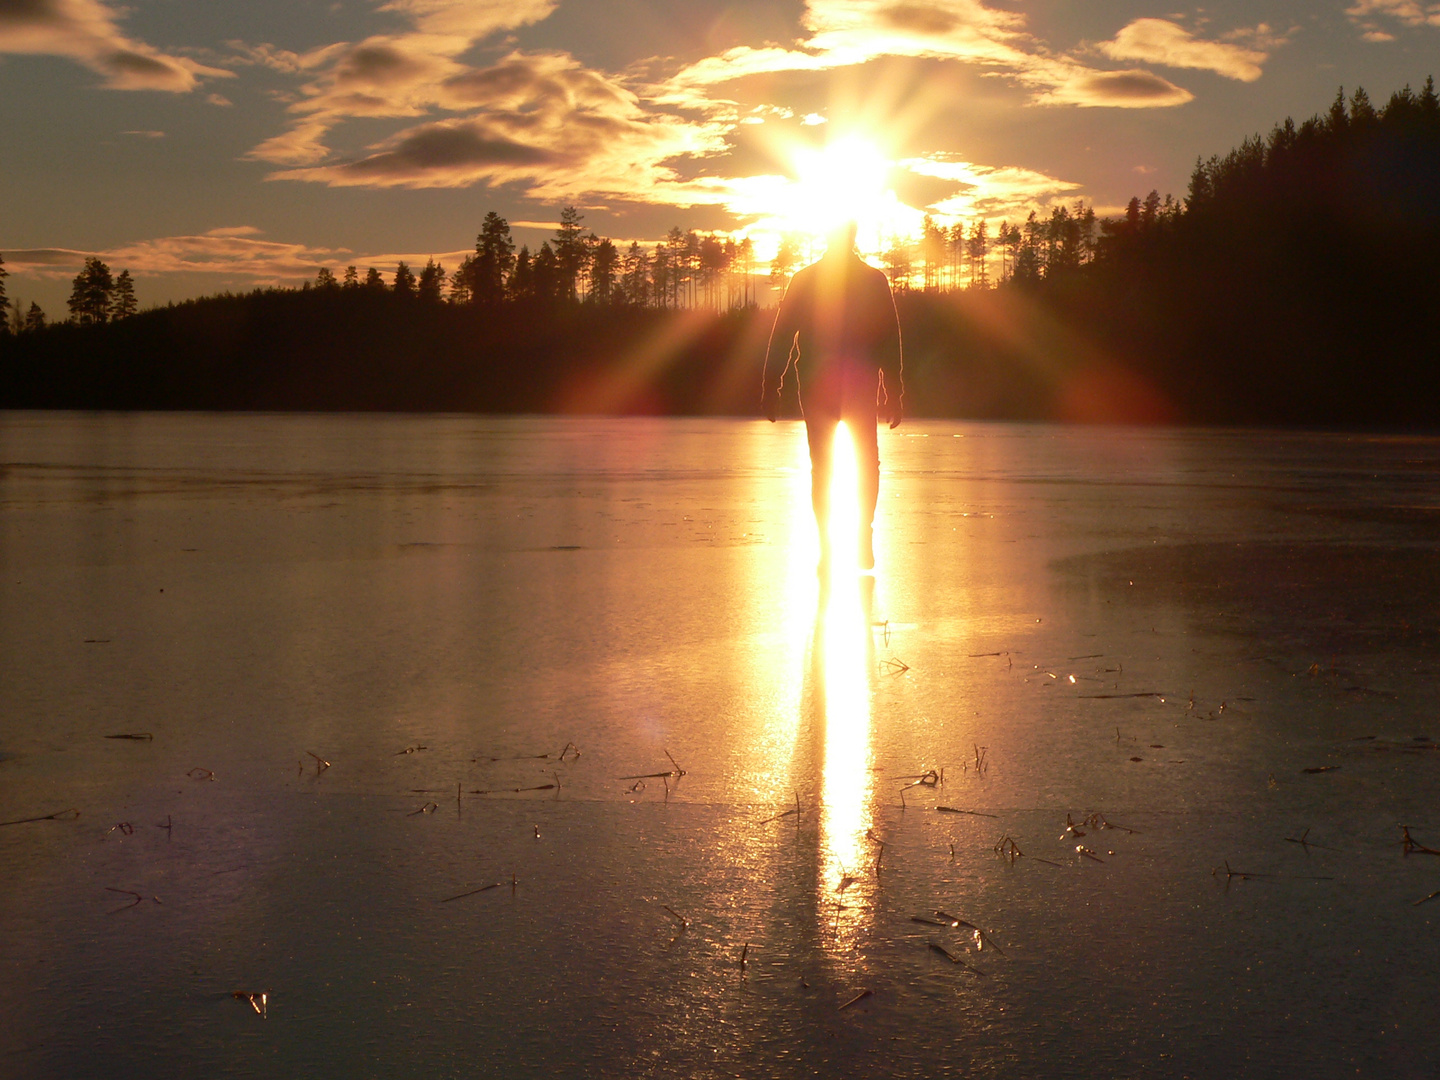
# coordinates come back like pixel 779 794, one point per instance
pixel 226 145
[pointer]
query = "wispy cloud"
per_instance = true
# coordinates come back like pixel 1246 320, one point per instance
pixel 87 32
pixel 988 191
pixel 1371 15
pixel 236 254
pixel 538 118
pixel 1160 41
pixel 1087 88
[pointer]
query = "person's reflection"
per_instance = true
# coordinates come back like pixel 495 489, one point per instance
pixel 838 321
pixel 836 698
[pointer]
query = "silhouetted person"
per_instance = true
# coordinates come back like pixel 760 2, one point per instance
pixel 837 325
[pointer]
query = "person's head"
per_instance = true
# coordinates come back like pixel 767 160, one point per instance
pixel 841 238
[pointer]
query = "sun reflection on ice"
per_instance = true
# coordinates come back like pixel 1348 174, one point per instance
pixel 843 637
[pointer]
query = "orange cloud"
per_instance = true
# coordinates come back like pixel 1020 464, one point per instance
pixel 85 31
pixel 1113 89
pixel 845 33
pixel 394 75
pixel 233 253
pixel 1159 41
pixel 1406 12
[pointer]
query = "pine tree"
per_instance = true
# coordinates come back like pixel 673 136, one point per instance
pixel 352 279
pixel 494 260
pixel 660 276
pixel 603 272
pixel 521 285
pixel 1027 263
pixel 431 282
pixel 569 253
pixel 898 264
pixel 747 262
pixel 34 318
pixel 404 281
pixel 635 276
pixel 710 265
pixel 1362 113
pixel 786 256
pixel 373 280
pixel 547 280
pixel 90 293
pixel 977 247
pixel 932 251
pixel 677 264
pixel 4 303
pixel 460 281
pixel 324 279
pixel 122 303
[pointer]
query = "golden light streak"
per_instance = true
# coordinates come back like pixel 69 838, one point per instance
pixel 846 875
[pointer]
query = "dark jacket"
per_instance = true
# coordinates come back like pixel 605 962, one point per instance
pixel 837 320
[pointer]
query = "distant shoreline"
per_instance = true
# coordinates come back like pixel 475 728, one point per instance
pixel 1013 353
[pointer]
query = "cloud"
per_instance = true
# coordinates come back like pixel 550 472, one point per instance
pixel 1160 41
pixel 1116 90
pixel 524 81
pixel 22 259
pixel 220 100
pixel 540 119
pixel 471 20
pixel 145 134
pixel 223 252
pixel 86 31
pixel 283 60
pixel 559 130
pixel 1367 13
pixel 388 75
pixel 988 191
pixel 435 155
pixel 845 33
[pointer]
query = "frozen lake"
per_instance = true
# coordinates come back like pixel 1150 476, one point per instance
pixel 1218 643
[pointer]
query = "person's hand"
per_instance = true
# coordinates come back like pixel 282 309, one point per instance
pixel 897 413
pixel 771 404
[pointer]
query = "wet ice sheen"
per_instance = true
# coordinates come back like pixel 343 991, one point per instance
pixel 255 590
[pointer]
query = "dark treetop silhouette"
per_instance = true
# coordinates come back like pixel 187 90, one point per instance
pixel 838 320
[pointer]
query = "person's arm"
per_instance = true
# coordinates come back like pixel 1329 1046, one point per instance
pixel 779 352
pixel 891 358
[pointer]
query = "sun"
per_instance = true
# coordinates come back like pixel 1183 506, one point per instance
pixel 845 180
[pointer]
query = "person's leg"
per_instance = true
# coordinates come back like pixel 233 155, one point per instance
pixel 820 431
pixel 867 469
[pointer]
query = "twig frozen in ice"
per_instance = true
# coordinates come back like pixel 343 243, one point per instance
pixel 1413 846
pixel 59 815
pixel 472 892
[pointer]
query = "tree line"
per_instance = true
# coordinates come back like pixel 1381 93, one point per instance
pixel 96 296
pixel 686 269
pixel 1294 283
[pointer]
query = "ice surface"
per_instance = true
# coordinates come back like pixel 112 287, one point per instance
pixel 1163 628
